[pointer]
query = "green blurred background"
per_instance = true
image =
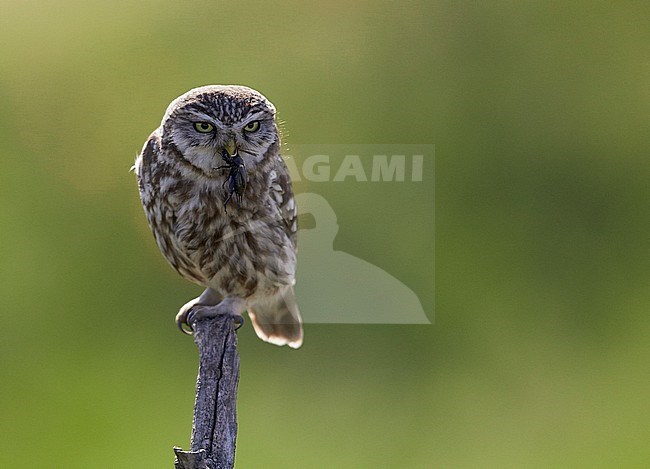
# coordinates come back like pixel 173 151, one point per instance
pixel 539 354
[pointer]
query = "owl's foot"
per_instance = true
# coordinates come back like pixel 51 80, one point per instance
pixel 208 298
pixel 190 313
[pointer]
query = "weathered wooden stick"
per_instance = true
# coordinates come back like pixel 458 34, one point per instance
pixel 214 429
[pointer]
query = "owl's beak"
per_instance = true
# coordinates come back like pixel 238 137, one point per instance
pixel 230 147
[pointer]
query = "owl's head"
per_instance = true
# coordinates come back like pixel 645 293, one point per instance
pixel 205 121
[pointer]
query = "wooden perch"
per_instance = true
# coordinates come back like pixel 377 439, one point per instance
pixel 214 429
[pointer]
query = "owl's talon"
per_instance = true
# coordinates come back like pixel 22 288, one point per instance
pixel 239 321
pixel 182 321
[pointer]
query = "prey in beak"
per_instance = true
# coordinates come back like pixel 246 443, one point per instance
pixel 237 176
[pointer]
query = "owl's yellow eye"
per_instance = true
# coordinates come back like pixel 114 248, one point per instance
pixel 252 126
pixel 203 127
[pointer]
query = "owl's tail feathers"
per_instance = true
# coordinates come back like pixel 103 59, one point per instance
pixel 277 319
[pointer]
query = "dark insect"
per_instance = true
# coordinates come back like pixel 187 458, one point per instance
pixel 236 177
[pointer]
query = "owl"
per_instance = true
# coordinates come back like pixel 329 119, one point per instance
pixel 218 198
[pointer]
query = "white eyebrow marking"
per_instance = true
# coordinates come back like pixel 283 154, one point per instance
pixel 202 117
pixel 251 117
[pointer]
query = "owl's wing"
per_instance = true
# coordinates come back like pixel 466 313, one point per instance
pixel 144 163
pixel 282 197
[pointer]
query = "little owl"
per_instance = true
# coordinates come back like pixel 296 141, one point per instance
pixel 218 198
